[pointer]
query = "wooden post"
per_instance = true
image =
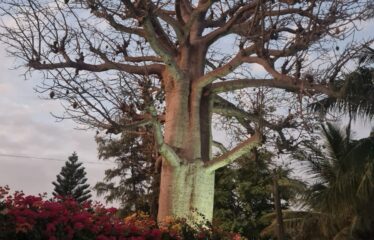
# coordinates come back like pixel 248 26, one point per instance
pixel 278 207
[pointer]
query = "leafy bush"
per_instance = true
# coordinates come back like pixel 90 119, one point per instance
pixel 34 217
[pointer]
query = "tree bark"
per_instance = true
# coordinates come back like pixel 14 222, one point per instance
pixel 187 189
pixel 187 175
pixel 186 192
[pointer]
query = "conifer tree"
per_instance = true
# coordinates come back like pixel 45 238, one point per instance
pixel 134 181
pixel 71 182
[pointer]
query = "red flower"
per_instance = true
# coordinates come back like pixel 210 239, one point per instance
pixel 78 226
pixel 65 217
pixel 137 238
pixel 155 234
pixel 51 228
pixel 102 237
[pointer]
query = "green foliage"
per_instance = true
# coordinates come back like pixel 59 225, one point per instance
pixel 339 202
pixel 303 225
pixel 356 95
pixel 71 182
pixel 134 181
pixel 244 194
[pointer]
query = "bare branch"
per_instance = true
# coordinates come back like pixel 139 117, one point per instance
pixel 292 86
pixel 220 146
pixel 143 59
pixel 165 150
pixel 220 71
pixel 223 30
pixel 151 69
pixel 232 155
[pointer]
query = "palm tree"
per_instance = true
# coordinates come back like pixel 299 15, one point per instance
pixel 345 183
pixel 356 90
pixel 339 202
pixel 303 225
pixel 356 95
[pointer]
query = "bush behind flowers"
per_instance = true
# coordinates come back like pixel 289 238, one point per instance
pixel 33 218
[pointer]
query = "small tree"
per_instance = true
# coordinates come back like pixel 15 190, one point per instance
pixel 134 181
pixel 244 194
pixel 71 182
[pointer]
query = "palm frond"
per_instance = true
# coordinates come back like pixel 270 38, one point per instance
pixel 343 234
pixel 345 183
pixel 356 95
pixel 303 225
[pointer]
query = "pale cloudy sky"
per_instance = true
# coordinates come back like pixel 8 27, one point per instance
pixel 28 129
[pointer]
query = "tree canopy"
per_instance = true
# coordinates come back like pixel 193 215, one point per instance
pixel 162 62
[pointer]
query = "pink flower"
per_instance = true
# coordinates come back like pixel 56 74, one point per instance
pixel 102 237
pixel 51 228
pixel 155 234
pixel 78 226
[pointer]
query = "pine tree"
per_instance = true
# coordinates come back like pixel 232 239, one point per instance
pixel 71 182
pixel 134 181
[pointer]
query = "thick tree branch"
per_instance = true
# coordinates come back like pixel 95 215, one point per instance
pixel 153 36
pixel 197 14
pixel 220 71
pixel 289 85
pixel 165 150
pixel 143 59
pixel 177 26
pixel 183 10
pixel 224 70
pixel 232 85
pixel 213 36
pixel 141 70
pixel 234 154
pixel 162 49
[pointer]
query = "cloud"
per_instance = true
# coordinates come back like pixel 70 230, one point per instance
pixel 28 129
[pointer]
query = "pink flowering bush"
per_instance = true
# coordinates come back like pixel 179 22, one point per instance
pixel 34 217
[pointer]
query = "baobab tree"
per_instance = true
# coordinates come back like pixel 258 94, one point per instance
pixel 163 63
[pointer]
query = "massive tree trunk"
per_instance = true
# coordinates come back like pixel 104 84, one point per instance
pixel 187 188
pixel 187 176
pixel 186 191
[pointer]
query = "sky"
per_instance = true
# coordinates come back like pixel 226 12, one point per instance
pixel 28 129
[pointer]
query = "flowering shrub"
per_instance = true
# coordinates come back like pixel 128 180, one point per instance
pixel 33 217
